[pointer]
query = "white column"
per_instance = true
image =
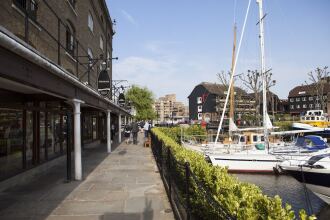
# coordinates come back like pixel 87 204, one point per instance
pixel 108 131
pixel 119 129
pixel 77 139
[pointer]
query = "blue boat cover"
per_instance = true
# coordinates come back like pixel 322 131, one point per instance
pixel 311 142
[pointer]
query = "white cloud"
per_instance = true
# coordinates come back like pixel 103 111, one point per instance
pixel 129 18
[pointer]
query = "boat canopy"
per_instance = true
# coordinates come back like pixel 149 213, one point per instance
pixel 311 142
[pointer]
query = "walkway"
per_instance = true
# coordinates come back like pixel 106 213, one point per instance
pixel 123 185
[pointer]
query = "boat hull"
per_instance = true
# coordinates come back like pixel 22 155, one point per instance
pixel 317 180
pixel 249 163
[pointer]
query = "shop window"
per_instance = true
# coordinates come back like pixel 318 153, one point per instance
pixel 11 142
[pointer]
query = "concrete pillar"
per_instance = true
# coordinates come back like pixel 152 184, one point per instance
pixel 77 139
pixel 119 128
pixel 108 131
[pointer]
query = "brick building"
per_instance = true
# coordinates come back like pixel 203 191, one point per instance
pixel 52 53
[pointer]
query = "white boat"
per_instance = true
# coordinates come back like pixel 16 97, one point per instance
pixel 313 171
pixel 256 160
pixel 252 159
pixel 313 119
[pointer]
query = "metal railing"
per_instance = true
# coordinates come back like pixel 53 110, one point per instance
pixel 189 197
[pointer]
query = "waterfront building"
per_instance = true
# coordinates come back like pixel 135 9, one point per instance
pixel 52 53
pixel 303 98
pixel 169 110
pixel 207 100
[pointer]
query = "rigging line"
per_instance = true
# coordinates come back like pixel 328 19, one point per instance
pixel 232 75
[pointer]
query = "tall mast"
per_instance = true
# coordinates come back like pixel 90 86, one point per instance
pixel 232 92
pixel 263 70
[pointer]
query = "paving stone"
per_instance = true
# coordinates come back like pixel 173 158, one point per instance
pixel 121 185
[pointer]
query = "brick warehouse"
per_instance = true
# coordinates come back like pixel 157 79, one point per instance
pixel 52 53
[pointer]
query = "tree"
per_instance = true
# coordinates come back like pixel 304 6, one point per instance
pixel 142 100
pixel 319 79
pixel 253 82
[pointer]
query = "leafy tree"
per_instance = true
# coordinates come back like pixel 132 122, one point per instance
pixel 142 100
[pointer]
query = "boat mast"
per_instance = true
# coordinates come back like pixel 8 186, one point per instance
pixel 232 92
pixel 263 71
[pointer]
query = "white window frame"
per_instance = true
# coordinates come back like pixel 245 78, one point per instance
pixel 199 100
pixel 291 99
pixel 298 106
pixel 291 106
pixel 304 106
pixel 303 98
pixel 90 22
pixel 200 108
pixel 298 99
pixel 310 98
pixel 310 105
pixel 199 116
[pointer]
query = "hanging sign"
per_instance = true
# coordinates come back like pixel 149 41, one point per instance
pixel 121 99
pixel 103 83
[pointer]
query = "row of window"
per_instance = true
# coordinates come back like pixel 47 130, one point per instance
pixel 317 105
pixel 310 98
pixel 31 7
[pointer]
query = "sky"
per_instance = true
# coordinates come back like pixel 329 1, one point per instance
pixel 170 46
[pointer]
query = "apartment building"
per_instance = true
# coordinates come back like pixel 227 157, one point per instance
pixel 169 110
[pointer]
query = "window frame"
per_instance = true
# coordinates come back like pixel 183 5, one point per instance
pixel 90 22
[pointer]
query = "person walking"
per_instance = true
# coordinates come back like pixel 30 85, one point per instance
pixel 135 130
pixel 113 131
pixel 146 128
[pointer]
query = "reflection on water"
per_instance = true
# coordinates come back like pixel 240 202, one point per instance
pixel 290 190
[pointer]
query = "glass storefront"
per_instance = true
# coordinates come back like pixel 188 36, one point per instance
pixel 11 142
pixel 37 133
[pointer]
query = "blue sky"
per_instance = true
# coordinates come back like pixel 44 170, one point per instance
pixel 170 46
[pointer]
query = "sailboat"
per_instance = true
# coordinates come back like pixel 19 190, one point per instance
pixel 251 158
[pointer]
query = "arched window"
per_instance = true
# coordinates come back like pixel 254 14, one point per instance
pixel 70 38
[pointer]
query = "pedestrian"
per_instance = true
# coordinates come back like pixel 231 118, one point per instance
pixel 113 131
pixel 127 130
pixel 135 130
pixel 146 128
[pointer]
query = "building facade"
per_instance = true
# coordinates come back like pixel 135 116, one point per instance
pixel 207 100
pixel 304 98
pixel 52 53
pixel 169 110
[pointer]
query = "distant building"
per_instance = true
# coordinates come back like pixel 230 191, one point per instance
pixel 303 98
pixel 275 105
pixel 206 102
pixel 169 110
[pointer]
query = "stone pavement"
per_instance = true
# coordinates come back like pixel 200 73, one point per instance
pixel 123 185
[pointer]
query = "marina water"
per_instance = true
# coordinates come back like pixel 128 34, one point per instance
pixel 290 190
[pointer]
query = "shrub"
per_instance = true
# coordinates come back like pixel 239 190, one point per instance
pixel 242 200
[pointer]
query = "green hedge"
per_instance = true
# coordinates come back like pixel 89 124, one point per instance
pixel 242 200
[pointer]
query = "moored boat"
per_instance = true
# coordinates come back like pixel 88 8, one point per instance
pixel 314 171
